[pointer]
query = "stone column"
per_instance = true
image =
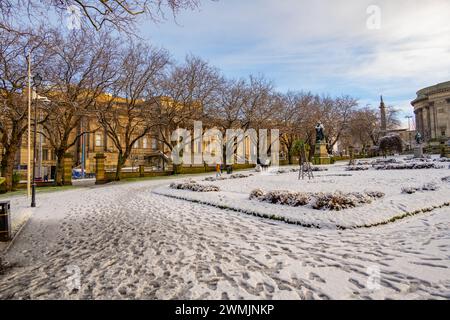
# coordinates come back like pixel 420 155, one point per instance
pixel 67 169
pixel 428 131
pixel 100 176
pixel 421 127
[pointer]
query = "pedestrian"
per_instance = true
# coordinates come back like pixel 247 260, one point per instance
pixel 218 171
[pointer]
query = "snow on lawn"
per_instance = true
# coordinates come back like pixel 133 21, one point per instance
pixel 234 194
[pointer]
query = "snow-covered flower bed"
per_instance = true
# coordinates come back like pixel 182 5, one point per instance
pixel 409 166
pixel 194 186
pixel 357 168
pixel 233 176
pixel 431 186
pixel 320 201
pixel 234 195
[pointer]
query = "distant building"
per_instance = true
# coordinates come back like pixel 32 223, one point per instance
pixel 432 112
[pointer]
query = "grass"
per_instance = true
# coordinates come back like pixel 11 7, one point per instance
pixel 23 192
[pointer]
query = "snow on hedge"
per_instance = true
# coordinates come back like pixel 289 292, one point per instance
pixel 233 176
pixel 320 201
pixel 194 186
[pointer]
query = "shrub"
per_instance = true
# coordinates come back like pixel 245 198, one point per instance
pixel 431 186
pixel 338 200
pixel 391 143
pixel 320 201
pixel 211 179
pixel 356 168
pixel 410 166
pixel 410 190
pixel 240 176
pixel 233 176
pixel 257 193
pixel 318 169
pixel 193 186
pixel 293 199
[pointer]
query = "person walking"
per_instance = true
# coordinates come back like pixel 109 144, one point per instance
pixel 218 170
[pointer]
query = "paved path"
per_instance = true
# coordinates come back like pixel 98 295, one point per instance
pixel 123 242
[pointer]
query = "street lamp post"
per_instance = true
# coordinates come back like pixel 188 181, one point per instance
pixel 37 79
pixel 409 131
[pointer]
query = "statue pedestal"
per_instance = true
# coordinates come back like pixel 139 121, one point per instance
pixel 321 155
pixel 418 151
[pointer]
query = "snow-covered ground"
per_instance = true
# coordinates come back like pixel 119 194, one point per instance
pixel 125 241
pixel 234 194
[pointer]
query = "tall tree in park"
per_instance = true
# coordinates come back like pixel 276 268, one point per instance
pixel 295 119
pixel 126 112
pixel 122 15
pixel 188 92
pixel 81 68
pixel 335 115
pixel 14 49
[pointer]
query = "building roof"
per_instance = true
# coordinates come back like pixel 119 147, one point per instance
pixel 425 92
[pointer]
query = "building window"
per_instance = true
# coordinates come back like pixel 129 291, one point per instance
pixel 136 144
pixel 154 144
pixel 98 140
pixel 448 100
pixel 144 143
pixel 44 154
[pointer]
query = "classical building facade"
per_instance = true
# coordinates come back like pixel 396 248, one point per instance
pixel 432 112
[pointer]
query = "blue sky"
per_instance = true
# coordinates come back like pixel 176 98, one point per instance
pixel 323 46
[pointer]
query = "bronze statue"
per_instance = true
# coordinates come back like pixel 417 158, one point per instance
pixel 320 136
pixel 418 138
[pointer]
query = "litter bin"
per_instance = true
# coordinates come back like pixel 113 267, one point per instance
pixel 229 169
pixel 5 221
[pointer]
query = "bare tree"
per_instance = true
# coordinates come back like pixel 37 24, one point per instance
pixel 81 68
pixel 121 15
pixel 336 114
pixel 295 119
pixel 363 129
pixel 14 50
pixel 126 115
pixel 188 93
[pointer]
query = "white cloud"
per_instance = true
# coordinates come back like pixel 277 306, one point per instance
pixel 321 45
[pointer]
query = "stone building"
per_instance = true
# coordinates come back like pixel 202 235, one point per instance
pixel 432 112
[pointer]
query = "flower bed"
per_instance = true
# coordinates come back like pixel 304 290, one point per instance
pixel 409 166
pixel 233 176
pixel 356 168
pixel 194 186
pixel 320 201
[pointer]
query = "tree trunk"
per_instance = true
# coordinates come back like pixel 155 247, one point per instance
pixel 120 163
pixel 59 167
pixel 290 158
pixel 8 168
